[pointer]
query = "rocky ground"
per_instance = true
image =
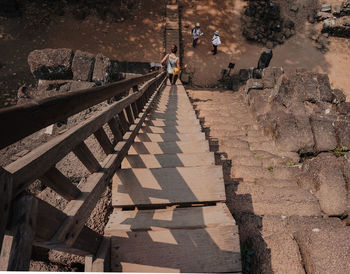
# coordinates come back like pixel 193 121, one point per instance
pixel 300 50
pixel 121 33
pixel 291 207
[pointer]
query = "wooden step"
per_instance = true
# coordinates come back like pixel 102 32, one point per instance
pixel 169 129
pixel 169 147
pixel 170 218
pixel 167 186
pixel 169 137
pixel 167 116
pixel 162 122
pixel 168 160
pixel 214 249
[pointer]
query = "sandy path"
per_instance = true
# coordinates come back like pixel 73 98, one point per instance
pixel 296 52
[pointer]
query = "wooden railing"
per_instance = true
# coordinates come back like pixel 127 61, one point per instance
pixel 27 220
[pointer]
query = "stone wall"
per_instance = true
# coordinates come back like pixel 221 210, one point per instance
pixel 303 114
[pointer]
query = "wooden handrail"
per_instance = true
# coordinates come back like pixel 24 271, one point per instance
pixel 20 121
pixel 65 230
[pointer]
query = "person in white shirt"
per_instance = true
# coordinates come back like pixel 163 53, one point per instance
pixel 216 41
pixel 196 33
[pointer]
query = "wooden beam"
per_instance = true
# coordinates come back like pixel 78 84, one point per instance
pixel 23 120
pixel 135 111
pixel 104 141
pixel 86 157
pixel 102 259
pixel 129 115
pixel 5 200
pixel 50 219
pixel 123 122
pixel 79 210
pixel 54 179
pixel 116 129
pixel 5 252
pixel 23 224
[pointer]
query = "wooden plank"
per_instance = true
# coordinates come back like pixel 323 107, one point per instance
pixel 135 111
pixel 23 120
pixel 213 250
pixel 169 137
pixel 104 141
pixel 23 224
pixel 101 262
pixel 49 220
pixel 88 263
pixel 170 218
pixel 169 129
pixel 124 123
pixel 54 179
pixel 168 160
pixel 129 115
pixel 33 165
pixel 5 252
pixel 5 200
pixel 79 210
pixel 116 129
pixel 167 186
pixel 169 147
pixel 86 157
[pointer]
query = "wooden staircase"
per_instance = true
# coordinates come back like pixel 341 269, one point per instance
pixel 169 198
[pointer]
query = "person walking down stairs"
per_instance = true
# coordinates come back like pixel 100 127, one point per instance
pixel 216 42
pixel 173 65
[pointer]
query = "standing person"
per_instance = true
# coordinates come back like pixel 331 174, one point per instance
pixel 216 41
pixel 196 33
pixel 173 65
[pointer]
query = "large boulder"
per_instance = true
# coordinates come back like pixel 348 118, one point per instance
pixel 83 65
pixel 102 69
pixel 325 250
pixel 324 133
pixel 324 175
pixel 51 64
pixel 342 128
pixel 293 133
pixel 337 27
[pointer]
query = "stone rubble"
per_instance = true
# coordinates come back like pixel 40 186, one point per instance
pixel 263 23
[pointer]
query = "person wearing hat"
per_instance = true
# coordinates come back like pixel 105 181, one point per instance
pixel 216 41
pixel 173 65
pixel 196 33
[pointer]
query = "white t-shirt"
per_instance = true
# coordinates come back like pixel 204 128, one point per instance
pixel 216 40
pixel 196 32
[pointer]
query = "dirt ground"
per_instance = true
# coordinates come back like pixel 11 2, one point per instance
pixel 137 37
pixel 298 51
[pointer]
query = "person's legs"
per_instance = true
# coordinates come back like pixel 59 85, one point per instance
pixel 215 50
pixel 175 79
pixel 170 78
pixel 195 42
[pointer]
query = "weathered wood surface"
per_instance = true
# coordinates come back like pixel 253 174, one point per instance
pixel 169 147
pixel 23 225
pixel 23 120
pixel 49 220
pixel 168 160
pixel 86 157
pixel 33 165
pixel 104 141
pixel 54 179
pixel 79 210
pixel 102 259
pixel 116 129
pixel 213 250
pixel 162 186
pixel 5 252
pixel 169 137
pixel 5 200
pixel 170 218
